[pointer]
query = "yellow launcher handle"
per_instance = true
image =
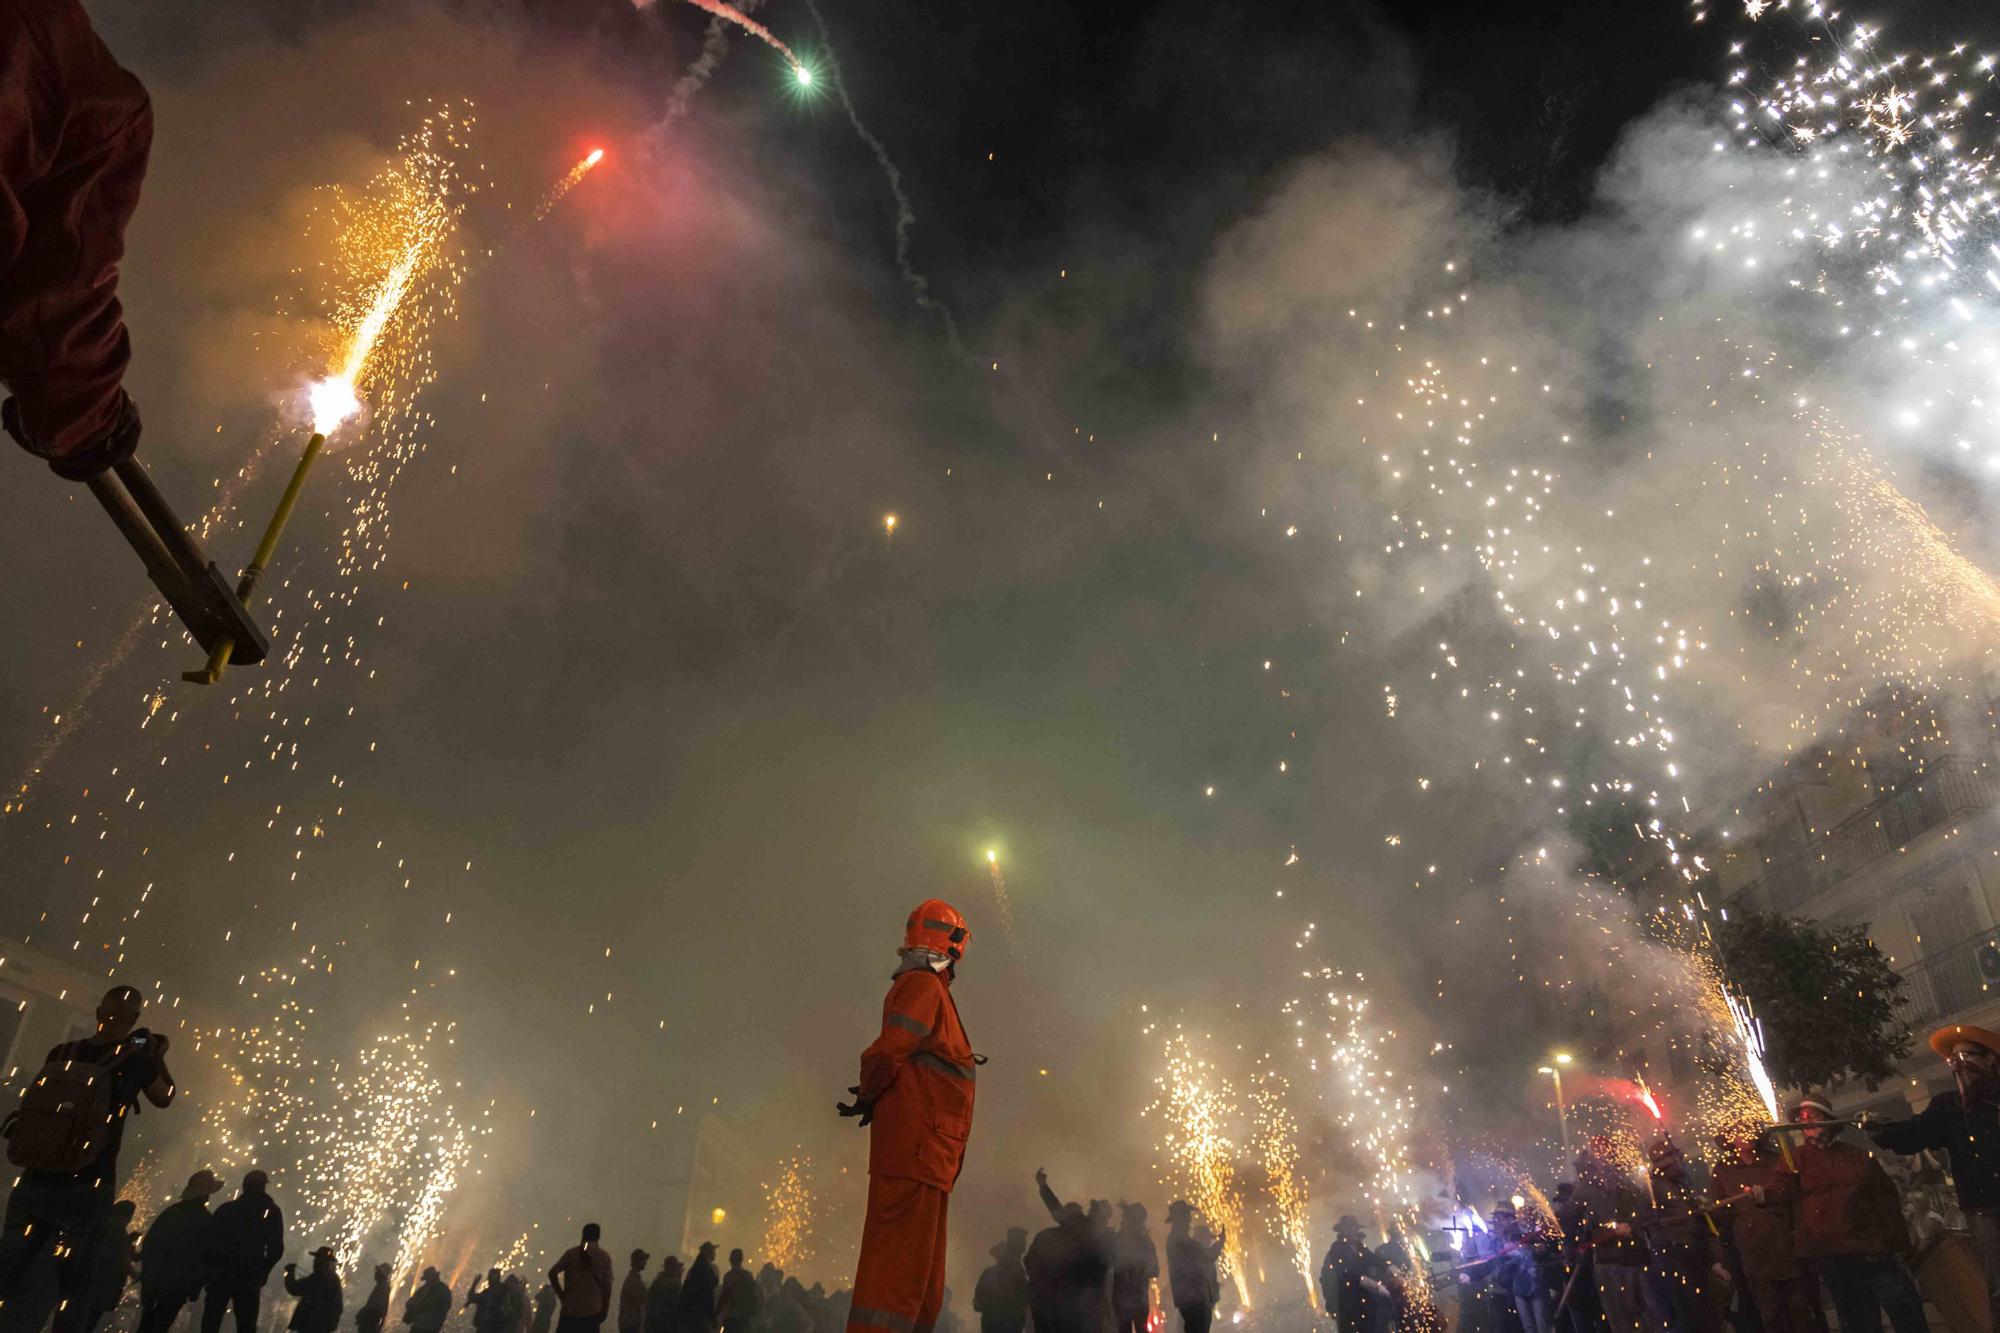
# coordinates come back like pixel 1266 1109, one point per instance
pixel 218 661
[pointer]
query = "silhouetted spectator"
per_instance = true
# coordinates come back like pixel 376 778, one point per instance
pixel 663 1296
pixel 172 1256
pixel 1001 1298
pixel 429 1305
pixel 374 1311
pixel 739 1301
pixel 86 1092
pixel 698 1288
pixel 1135 1263
pixel 319 1293
pixel 582 1278
pixel 632 1295
pixel 246 1239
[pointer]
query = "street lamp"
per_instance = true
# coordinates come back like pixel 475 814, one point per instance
pixel 1554 1071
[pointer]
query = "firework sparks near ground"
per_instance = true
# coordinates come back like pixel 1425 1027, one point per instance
pixel 1274 1141
pixel 1196 1107
pixel 790 1207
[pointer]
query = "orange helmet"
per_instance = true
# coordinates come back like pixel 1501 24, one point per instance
pixel 936 925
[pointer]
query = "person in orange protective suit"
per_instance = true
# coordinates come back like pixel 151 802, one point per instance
pixel 915 1095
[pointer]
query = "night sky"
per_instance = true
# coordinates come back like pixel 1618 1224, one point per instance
pixel 645 658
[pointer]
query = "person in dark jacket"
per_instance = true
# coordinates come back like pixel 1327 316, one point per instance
pixel 546 1304
pixel 245 1241
pixel 1001 1297
pixel 1085 1303
pixel 1510 1271
pixel 696 1313
pixel 1851 1229
pixel 429 1305
pixel 374 1311
pixel 49 1210
pixel 75 132
pixel 1610 1217
pixel 489 1304
pixel 1580 1312
pixel 1350 1280
pixel 1191 1269
pixel 1964 1124
pixel 319 1293
pixel 1135 1264
pixel 173 1253
pixel 1066 1275
pixel 1754 1210
pixel 663 1296
pixel 1680 1265
pixel 739 1300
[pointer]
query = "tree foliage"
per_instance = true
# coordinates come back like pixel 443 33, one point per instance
pixel 1826 996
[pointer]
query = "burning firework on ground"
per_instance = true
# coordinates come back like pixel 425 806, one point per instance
pixel 1274 1141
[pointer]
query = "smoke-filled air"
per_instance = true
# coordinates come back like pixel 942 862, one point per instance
pixel 1054 667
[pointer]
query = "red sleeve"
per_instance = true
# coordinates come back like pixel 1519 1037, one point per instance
pixel 75 130
pixel 909 1016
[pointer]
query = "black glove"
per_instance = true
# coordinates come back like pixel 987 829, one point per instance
pixel 100 455
pixel 863 1108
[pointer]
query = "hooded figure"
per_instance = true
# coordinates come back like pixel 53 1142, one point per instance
pixel 663 1296
pixel 916 1088
pixel 697 1303
pixel 1001 1298
pixel 1135 1263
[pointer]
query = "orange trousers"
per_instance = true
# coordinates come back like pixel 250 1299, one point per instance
pixel 899 1281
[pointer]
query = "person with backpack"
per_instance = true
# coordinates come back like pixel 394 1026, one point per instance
pixel 245 1242
pixel 172 1254
pixel 582 1279
pixel 319 1293
pixel 65 1137
pixel 740 1300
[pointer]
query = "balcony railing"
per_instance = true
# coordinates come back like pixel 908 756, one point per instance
pixel 1950 980
pixel 1888 822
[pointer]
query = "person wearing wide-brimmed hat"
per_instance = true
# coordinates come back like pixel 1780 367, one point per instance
pixel 1191 1268
pixel 171 1255
pixel 319 1293
pixel 1963 1122
pixel 1001 1298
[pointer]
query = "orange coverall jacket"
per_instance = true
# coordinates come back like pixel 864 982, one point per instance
pixel 920 1075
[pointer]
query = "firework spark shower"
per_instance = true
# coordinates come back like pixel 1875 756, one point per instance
pixel 1347 483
